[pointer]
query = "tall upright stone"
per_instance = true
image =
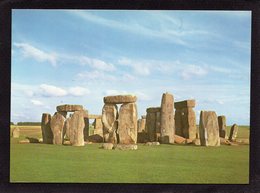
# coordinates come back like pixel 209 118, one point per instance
pixel 222 126
pixel 109 117
pixel 98 127
pixel 16 132
pixel 167 118
pixel 141 125
pixel 47 135
pixel 127 123
pixel 77 125
pixel 185 119
pixel 209 129
pixel 151 125
pixel 67 127
pixel 57 125
pixel 233 132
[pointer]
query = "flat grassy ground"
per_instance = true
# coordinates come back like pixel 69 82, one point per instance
pixel 156 164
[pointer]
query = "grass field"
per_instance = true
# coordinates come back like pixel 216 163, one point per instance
pixel 156 164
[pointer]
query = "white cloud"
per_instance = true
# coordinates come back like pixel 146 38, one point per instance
pixel 139 67
pixel 78 91
pixel 142 96
pixel 96 63
pixel 30 51
pixel 115 92
pixel 193 70
pixel 36 102
pixel 96 75
pixel 52 91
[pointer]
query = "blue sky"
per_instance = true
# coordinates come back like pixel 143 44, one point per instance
pixel 80 56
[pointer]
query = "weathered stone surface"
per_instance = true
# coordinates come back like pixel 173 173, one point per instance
pixel 141 125
pixel 185 104
pixel 233 132
pixel 158 123
pixel 77 125
pixel 90 116
pixel 24 141
pixel 222 126
pixel 109 117
pixel 127 124
pixel 57 125
pixel 86 128
pixel 33 140
pixel 224 141
pixel 66 130
pixel 167 118
pixel 118 99
pixel 98 127
pixel 196 142
pixel 107 146
pixel 63 113
pixel 243 141
pixel 179 140
pixel 69 108
pixel 153 109
pixel 47 135
pixel 155 143
pixel 188 121
pixel 142 137
pixel 16 132
pixel 209 130
pixel 66 142
pixel 150 126
pixel 178 122
pixel 126 146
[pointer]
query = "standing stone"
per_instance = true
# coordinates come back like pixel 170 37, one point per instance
pixel 98 127
pixel 16 132
pixel 57 125
pixel 77 126
pixel 185 119
pixel 47 135
pixel 233 132
pixel 141 125
pixel 167 118
pixel 86 128
pixel 178 122
pixel 189 128
pixel 127 123
pixel 222 126
pixel 109 117
pixel 67 127
pixel 209 130
pixel 151 125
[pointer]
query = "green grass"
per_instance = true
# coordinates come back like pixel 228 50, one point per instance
pixel 156 164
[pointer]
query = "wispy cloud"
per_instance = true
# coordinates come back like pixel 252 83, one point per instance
pixel 36 102
pixel 52 91
pixel 95 76
pixel 39 55
pixel 193 70
pixel 141 68
pixel 96 63
pixel 78 91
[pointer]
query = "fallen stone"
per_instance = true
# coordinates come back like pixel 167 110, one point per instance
pixel 24 141
pixel 167 118
pixel 209 130
pixel 33 140
pixel 95 138
pixel 77 125
pixel 233 132
pixel 126 147
pixel 88 142
pixel 69 108
pixel 189 141
pixel 185 104
pixel 57 125
pixel 179 140
pixel 196 142
pixel 155 143
pixel 127 124
pixel 243 141
pixel 118 99
pixel 224 141
pixel 40 140
pixel 47 135
pixel 66 143
pixel 109 117
pixel 16 132
pixel 107 146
